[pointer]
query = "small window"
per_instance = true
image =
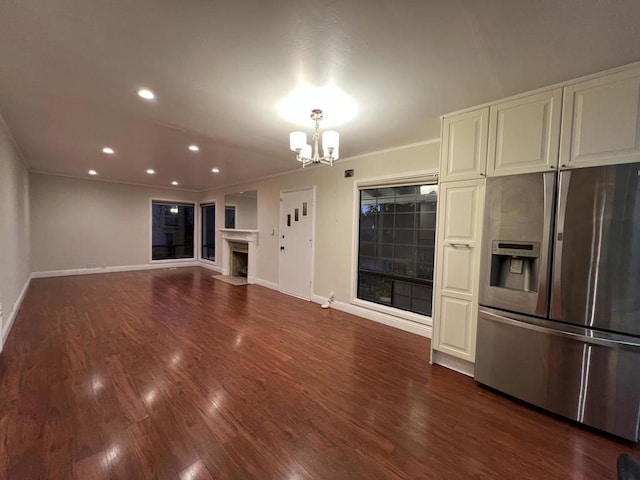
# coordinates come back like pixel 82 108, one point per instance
pixel 230 216
pixel 171 230
pixel 397 231
pixel 208 218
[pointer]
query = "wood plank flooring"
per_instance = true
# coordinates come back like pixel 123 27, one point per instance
pixel 169 374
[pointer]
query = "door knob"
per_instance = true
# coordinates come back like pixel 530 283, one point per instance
pixel 282 247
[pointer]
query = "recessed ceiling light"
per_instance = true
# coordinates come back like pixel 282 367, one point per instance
pixel 108 150
pixel 194 148
pixel 151 171
pixel 215 170
pixel 174 183
pixel 146 94
pixel 92 172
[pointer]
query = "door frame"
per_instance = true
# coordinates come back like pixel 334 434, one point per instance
pixel 312 211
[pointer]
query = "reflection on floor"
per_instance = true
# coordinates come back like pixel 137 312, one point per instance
pixel 171 374
pixel 231 280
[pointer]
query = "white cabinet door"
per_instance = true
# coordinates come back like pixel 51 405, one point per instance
pixel 464 146
pixel 601 121
pixel 524 134
pixel 460 209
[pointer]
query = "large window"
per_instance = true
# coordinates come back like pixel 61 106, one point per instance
pixel 397 232
pixel 208 216
pixel 171 230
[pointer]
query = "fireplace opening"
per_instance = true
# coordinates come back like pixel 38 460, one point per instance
pixel 239 259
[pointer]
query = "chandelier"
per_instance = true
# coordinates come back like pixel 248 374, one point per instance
pixel 305 153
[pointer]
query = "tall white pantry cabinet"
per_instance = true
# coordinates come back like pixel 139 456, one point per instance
pixel 463 163
pixel 582 123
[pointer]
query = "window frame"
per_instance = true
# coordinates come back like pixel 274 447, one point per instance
pixel 235 215
pixel 195 229
pixel 415 178
pixel 201 205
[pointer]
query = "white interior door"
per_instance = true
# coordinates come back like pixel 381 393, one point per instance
pixel 296 242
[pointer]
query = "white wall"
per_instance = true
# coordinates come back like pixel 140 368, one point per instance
pixel 335 211
pixel 14 228
pixel 78 223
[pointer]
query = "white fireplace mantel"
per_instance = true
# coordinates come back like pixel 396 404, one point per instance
pixel 250 237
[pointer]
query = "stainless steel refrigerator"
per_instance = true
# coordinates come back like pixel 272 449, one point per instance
pixel 559 317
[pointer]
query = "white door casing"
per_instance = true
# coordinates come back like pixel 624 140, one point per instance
pixel 297 214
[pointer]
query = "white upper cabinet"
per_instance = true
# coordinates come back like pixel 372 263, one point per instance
pixel 601 121
pixel 524 134
pixel 464 146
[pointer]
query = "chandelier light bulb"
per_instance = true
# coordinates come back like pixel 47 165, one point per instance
pixel 297 140
pixel 330 143
pixel 306 151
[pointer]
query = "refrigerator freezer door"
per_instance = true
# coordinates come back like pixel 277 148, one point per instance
pixel 588 376
pixel 514 269
pixel 596 266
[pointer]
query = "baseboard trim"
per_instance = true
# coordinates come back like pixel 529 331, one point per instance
pixel 265 283
pixel 209 266
pixel 123 268
pixel 384 318
pixel 12 316
pixel 453 363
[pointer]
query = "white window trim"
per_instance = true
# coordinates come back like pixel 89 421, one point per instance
pixel 196 215
pixel 413 178
pixel 215 232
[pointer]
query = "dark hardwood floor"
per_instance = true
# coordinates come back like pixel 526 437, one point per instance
pixel 171 374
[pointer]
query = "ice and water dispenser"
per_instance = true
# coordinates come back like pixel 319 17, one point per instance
pixel 515 265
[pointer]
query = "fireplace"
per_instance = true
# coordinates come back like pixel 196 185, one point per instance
pixel 239 253
pixel 239 259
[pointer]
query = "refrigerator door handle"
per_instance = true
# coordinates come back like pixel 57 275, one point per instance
pixel 556 285
pixel 607 340
pixel 545 248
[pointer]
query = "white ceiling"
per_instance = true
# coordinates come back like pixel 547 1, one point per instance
pixel 69 72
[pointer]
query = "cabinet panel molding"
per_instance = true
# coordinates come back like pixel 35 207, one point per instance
pixel 456 324
pixel 601 121
pixel 457 261
pixel 458 269
pixel 460 212
pixel 464 146
pixel 524 134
